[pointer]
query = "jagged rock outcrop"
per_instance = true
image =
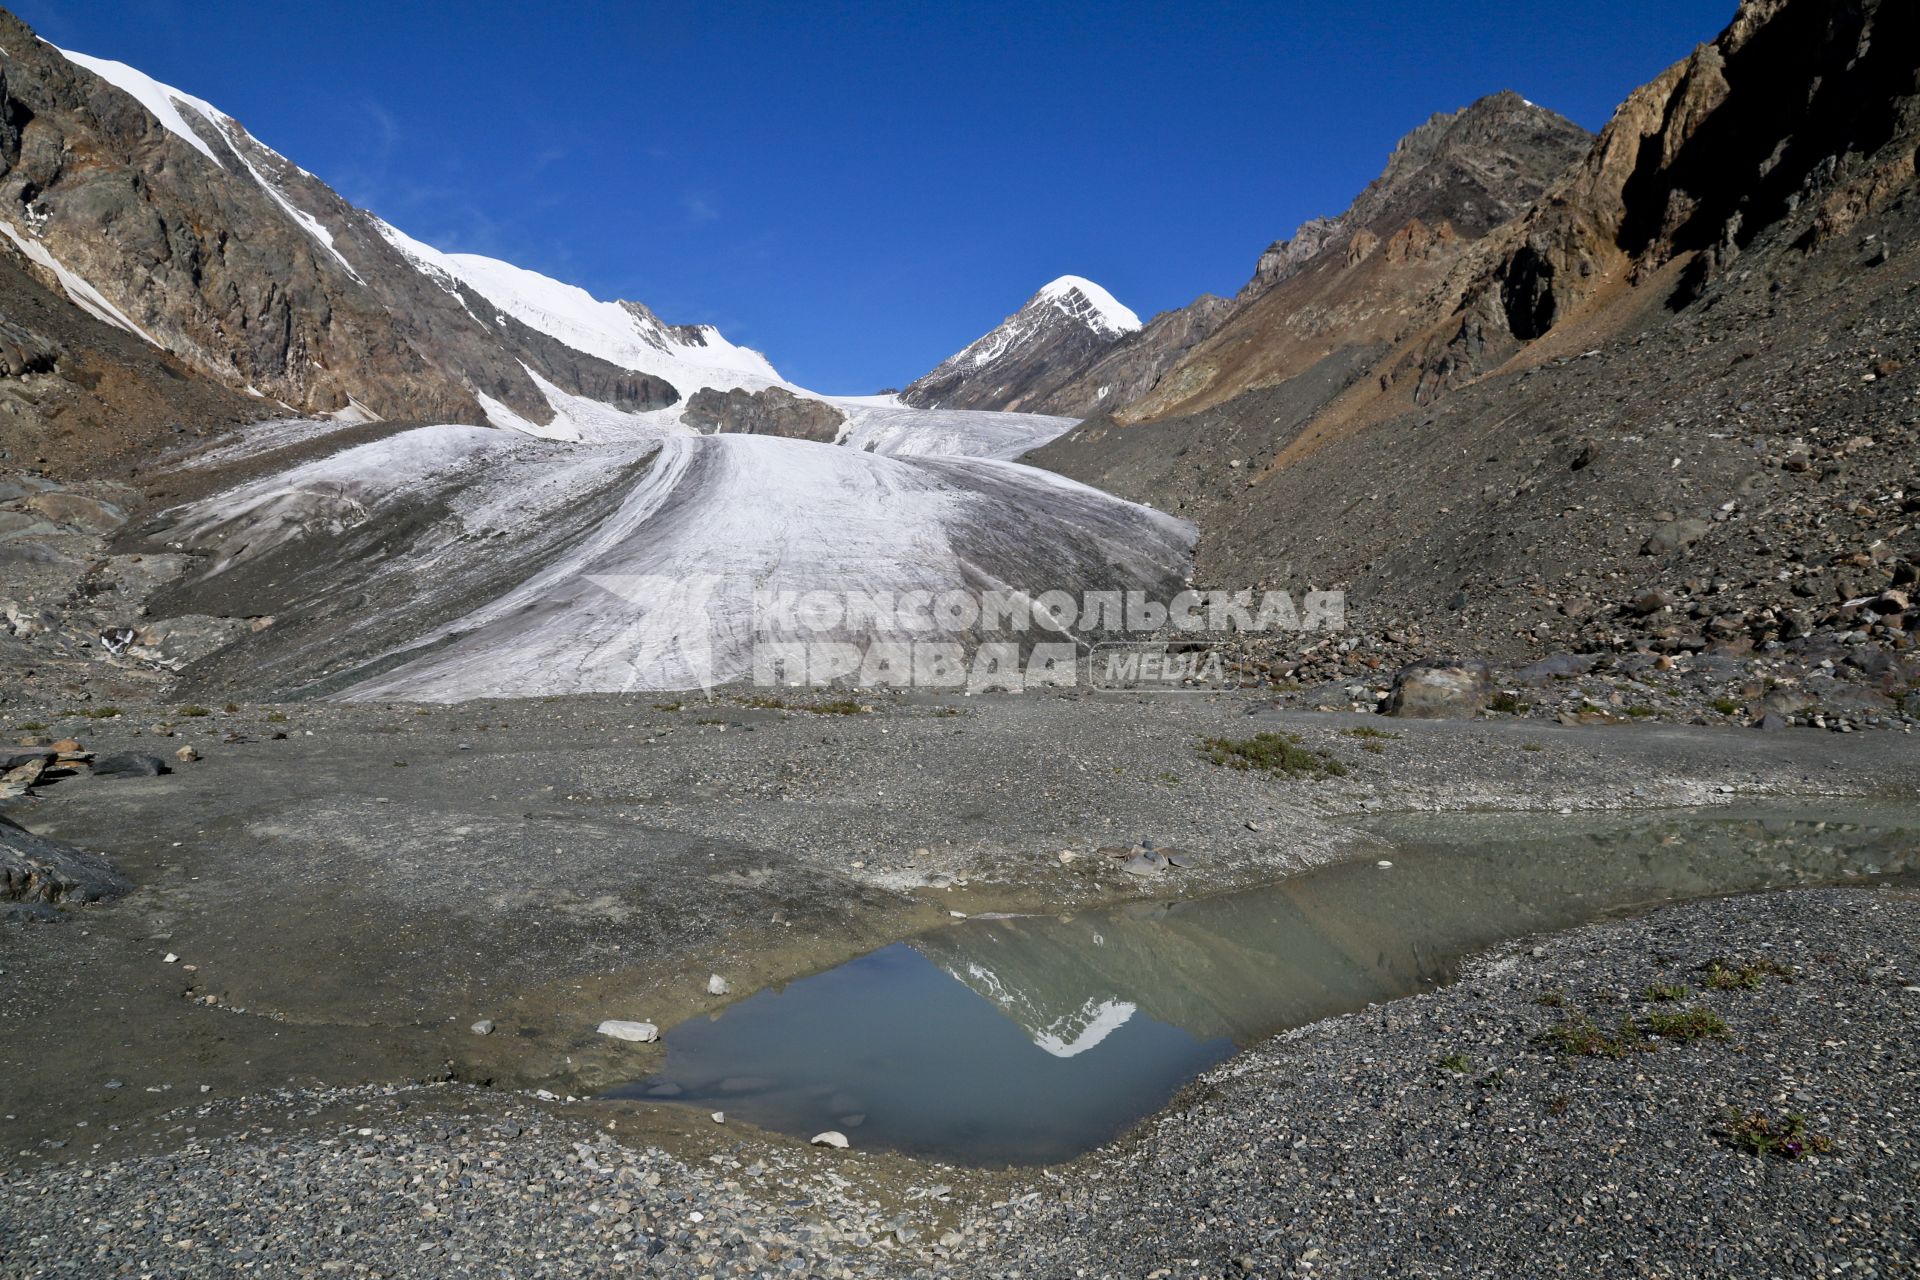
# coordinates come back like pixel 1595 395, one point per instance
pixel 1370 275
pixel 1472 169
pixel 1028 357
pixel 774 411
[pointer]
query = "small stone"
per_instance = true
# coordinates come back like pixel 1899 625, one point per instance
pixel 831 1138
pixel 637 1032
pixel 718 986
pixel 186 755
pixel 1383 864
pixel 129 765
pixel 719 1117
pixel 484 1027
pixel 170 958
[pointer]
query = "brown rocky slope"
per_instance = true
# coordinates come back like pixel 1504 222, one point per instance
pixel 1671 406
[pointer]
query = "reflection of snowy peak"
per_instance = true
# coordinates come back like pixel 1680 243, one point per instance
pixel 1063 328
pixel 1062 1034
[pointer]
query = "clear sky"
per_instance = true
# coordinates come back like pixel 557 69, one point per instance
pixel 861 189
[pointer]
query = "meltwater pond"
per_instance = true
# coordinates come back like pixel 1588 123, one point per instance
pixel 1019 1040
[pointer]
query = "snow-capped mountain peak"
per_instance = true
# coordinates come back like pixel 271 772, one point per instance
pixel 1061 329
pixel 1088 303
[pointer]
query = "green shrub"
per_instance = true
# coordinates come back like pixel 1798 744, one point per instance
pixel 1279 754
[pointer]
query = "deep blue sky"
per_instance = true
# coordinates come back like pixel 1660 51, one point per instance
pixel 860 189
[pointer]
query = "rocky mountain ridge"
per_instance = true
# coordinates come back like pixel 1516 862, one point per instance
pixel 1447 183
pixel 165 218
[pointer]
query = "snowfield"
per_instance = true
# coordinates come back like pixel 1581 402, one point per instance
pixel 899 432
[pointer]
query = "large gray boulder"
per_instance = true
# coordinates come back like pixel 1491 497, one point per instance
pixel 1443 689
pixel 35 869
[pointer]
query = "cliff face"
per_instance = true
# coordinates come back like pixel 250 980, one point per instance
pixel 1794 103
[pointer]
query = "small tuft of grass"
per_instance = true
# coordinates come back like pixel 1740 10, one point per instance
pixel 1458 1063
pixel 1279 754
pixel 94 713
pixel 667 706
pixel 192 709
pixel 1367 731
pixel 1582 1038
pixel 1726 706
pixel 1559 1104
pixel 32 726
pixel 1639 712
pixel 767 702
pixel 1664 992
pixel 276 717
pixel 1745 975
pixel 1531 746
pixel 233 707
pixel 1507 704
pixel 1687 1024
pixel 1784 1137
pixel 1494 1079
pixel 1551 999
pixel 838 707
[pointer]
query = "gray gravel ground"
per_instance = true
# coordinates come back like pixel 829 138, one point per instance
pixel 439 1182
pixel 1362 1147
pixel 344 901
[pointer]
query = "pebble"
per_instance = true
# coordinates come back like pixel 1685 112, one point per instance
pixel 637 1032
pixel 831 1138
pixel 484 1027
pixel 718 986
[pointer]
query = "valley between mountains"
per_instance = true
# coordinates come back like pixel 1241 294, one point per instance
pixel 392 768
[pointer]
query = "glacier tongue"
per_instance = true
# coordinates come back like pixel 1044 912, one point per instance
pixel 447 563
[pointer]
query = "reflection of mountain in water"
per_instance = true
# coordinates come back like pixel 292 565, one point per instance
pixel 1246 964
